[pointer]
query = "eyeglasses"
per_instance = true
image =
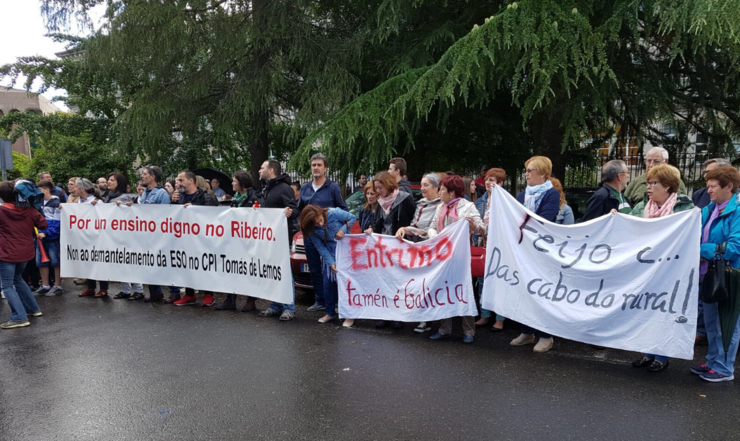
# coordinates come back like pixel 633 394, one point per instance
pixel 653 183
pixel 530 170
pixel 653 161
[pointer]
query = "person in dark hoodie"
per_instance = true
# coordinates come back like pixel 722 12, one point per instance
pixel 397 210
pixel 16 249
pixel 188 194
pixel 325 193
pixel 397 169
pixel 244 197
pixel 277 193
pixel 610 196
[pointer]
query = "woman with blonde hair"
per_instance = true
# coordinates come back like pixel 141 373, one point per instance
pixel 201 183
pixel 542 199
pixel 565 215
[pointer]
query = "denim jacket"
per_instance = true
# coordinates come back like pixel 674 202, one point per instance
pixel 336 219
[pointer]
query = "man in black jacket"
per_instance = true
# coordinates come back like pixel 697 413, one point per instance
pixel 188 194
pixel 609 197
pixel 278 193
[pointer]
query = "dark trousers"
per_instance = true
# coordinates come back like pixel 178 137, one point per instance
pixel 314 265
pixel 526 330
pixel 91 284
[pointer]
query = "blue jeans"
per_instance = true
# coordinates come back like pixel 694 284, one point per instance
pixel 659 358
pixel 314 265
pixel 52 252
pixel 331 293
pixel 19 295
pixel 283 306
pixel 701 329
pixel 717 359
pixel 484 313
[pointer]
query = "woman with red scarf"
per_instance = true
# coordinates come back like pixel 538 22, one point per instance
pixel 452 209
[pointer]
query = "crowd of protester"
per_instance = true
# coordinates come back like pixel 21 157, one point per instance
pixel 318 210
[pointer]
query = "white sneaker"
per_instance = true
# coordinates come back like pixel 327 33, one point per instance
pixel 544 345
pixel 523 340
pixel 422 328
pixel 2 294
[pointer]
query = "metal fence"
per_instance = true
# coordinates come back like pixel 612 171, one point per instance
pixel 582 172
pixel 587 173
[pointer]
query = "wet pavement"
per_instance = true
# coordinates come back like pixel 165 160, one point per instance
pixel 93 369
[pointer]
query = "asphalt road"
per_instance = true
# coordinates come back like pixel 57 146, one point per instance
pixel 93 369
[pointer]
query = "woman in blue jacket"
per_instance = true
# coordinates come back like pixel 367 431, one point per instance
pixel 323 227
pixel 544 200
pixel 720 224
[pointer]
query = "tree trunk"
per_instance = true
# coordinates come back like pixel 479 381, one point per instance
pixel 548 140
pixel 259 146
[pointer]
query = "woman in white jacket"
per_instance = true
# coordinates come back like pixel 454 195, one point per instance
pixel 455 208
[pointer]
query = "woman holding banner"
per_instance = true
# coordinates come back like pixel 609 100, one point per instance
pixel 542 199
pixel 720 225
pixel 244 197
pixel 455 208
pixel 323 227
pixel 117 189
pixel 663 200
pixel 494 177
pixel 426 208
pixel 397 210
pixel 17 248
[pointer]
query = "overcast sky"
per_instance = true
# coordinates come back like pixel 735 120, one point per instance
pixel 24 34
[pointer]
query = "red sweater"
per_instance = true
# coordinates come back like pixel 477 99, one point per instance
pixel 16 232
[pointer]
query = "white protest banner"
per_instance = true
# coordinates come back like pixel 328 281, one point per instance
pixel 383 278
pixel 617 281
pixel 231 250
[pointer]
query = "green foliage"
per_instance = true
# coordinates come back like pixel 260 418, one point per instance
pixel 21 167
pixel 65 156
pixel 449 84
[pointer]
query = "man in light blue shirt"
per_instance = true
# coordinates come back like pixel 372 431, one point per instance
pixel 217 190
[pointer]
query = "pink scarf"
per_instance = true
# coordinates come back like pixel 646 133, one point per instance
pixel 448 208
pixel 386 203
pixel 652 210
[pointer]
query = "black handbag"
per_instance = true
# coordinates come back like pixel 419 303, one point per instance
pixel 714 287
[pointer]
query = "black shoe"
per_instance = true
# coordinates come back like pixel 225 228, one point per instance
pixel 229 303
pixel 381 324
pixel 642 362
pixel 397 325
pixel 154 297
pixel 658 366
